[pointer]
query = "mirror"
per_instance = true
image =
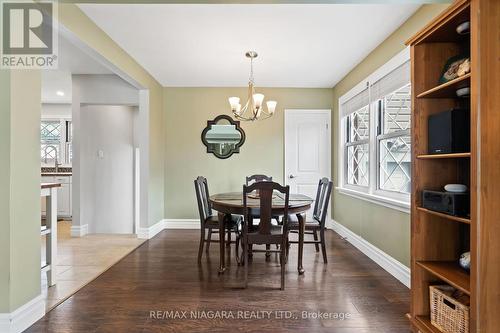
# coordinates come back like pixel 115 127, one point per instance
pixel 223 136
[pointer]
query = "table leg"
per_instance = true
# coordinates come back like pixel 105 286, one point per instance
pixel 222 241
pixel 302 227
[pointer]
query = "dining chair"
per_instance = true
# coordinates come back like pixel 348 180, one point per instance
pixel 258 178
pixel 266 232
pixel 209 221
pixel 255 179
pixel 319 218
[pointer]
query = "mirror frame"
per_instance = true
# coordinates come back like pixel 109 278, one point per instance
pixel 214 122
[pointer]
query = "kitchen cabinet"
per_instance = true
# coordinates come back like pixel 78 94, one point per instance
pixel 64 197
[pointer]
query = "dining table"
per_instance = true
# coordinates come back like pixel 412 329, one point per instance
pixel 231 203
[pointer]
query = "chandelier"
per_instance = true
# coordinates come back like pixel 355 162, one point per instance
pixel 253 109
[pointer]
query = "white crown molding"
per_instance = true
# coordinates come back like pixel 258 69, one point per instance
pixel 79 230
pixel 391 265
pixel 23 317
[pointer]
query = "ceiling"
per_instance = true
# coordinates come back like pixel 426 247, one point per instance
pixel 204 45
pixel 76 61
pixel 56 84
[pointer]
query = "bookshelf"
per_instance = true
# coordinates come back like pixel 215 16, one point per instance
pixel 437 239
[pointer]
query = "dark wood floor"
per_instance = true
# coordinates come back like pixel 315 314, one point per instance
pixel 162 275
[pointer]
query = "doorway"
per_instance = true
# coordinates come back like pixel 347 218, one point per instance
pixel 307 150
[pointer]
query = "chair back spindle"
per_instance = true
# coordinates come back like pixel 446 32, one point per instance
pixel 322 200
pixel 202 195
pixel 265 190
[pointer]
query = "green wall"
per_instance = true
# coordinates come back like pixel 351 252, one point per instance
pixel 20 104
pixel 385 228
pixel 186 113
pixel 4 190
pixel 20 188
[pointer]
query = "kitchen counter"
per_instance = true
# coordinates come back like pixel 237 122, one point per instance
pixel 57 174
pixel 50 185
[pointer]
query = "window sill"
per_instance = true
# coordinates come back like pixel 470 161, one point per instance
pixel 401 206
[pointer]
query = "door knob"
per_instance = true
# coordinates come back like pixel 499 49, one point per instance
pixel 291 176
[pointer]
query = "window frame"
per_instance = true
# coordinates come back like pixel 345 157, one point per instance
pixel 372 192
pixel 63 149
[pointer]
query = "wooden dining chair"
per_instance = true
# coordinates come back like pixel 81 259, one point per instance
pixel 266 232
pixel 319 218
pixel 209 221
pixel 255 179
pixel 258 178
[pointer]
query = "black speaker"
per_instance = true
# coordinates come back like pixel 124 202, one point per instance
pixel 449 132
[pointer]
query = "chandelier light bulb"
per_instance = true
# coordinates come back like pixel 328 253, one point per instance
pixel 271 106
pixel 234 102
pixel 258 99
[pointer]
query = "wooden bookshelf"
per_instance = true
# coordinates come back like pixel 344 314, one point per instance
pixel 437 239
pixel 449 272
pixel 446 216
pixel 424 324
pixel 438 156
pixel 448 89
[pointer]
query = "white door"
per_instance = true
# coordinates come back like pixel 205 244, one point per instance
pixel 307 150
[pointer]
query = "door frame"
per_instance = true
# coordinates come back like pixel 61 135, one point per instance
pixel 328 112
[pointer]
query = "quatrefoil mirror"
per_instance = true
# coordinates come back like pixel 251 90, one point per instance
pixel 223 136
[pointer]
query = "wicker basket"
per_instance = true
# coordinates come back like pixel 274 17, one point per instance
pixel 449 309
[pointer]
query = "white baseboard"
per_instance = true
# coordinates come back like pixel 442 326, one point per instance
pixel 23 317
pixel 182 224
pixel 391 265
pixel 148 233
pixel 79 230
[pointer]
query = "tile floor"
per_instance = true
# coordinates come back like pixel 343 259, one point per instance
pixel 81 260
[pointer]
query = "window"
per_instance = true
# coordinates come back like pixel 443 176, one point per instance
pixel 375 152
pixel 55 141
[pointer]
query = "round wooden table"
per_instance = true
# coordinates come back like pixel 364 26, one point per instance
pixel 232 203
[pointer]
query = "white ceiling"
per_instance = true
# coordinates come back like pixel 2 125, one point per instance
pixel 72 60
pixel 204 45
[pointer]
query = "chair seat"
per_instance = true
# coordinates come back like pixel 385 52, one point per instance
pixel 275 236
pixel 213 222
pixel 293 224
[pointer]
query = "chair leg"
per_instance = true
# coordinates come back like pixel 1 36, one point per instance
pixel 209 239
pixel 237 252
pixel 316 245
pixel 323 245
pixel 228 244
pixel 283 263
pixel 202 241
pixel 268 254
pixel 245 262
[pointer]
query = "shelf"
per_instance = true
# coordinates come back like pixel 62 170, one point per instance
pixel 424 324
pixel 450 272
pixel 446 216
pixel 441 156
pixel 443 28
pixel 448 89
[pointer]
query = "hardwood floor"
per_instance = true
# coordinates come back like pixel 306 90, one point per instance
pixel 162 276
pixel 81 259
